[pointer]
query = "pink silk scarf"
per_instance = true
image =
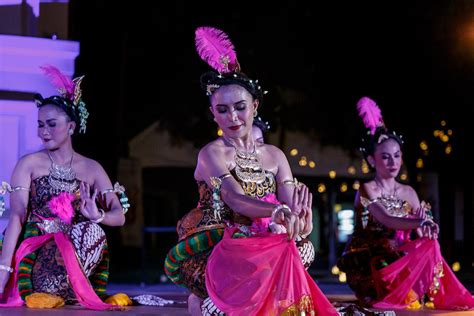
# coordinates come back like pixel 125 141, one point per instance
pixel 261 275
pixel 422 270
pixel 79 282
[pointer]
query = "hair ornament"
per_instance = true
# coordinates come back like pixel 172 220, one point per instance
pixel 70 91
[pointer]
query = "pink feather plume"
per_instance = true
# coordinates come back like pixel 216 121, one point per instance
pixel 215 48
pixel 62 82
pixel 370 114
pixel 61 205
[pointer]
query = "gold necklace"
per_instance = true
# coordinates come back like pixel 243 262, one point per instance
pixel 247 166
pixel 395 206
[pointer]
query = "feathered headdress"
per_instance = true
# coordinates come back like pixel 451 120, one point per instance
pixel 370 114
pixel 377 132
pixel 69 90
pixel 216 49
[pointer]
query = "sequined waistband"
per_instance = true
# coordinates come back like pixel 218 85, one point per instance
pixel 52 226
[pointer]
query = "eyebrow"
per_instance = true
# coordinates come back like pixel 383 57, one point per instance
pixel 47 121
pixel 236 103
pixel 385 153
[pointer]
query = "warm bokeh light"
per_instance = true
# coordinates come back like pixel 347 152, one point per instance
pixel 312 164
pixel 443 123
pixel 321 188
pixel 445 138
pixel 294 152
pixel 343 187
pixel 342 277
pixel 419 163
pixel 456 266
pixel 303 162
pixel 403 177
pixel 356 185
pixel 332 174
pixel 337 207
pixel 450 132
pixel 335 270
pixel 351 170
pixel 364 167
pixel 424 145
pixel 448 149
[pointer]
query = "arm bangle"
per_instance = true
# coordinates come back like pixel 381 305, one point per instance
pixel 6 268
pixel 100 219
pixel 277 208
pixel 427 221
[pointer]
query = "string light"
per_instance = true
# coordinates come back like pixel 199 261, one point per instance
pixel 351 170
pixel 321 188
pixel 423 145
pixel 343 187
pixel 356 185
pixel 419 163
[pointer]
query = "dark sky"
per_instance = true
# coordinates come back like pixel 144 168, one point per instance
pixel 415 60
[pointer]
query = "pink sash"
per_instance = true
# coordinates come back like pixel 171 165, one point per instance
pixel 261 275
pixel 79 282
pixel 416 271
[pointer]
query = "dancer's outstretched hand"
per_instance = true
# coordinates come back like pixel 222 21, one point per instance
pixel 88 205
pixel 287 218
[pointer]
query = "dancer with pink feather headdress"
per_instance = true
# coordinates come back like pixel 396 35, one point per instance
pixel 243 249
pixel 393 259
pixel 58 199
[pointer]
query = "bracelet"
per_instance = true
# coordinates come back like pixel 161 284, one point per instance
pixel 277 208
pixel 427 221
pixel 293 182
pixel 100 219
pixel 6 268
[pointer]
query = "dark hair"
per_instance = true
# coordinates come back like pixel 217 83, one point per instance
pixel 382 134
pixel 264 126
pixel 63 103
pixel 211 81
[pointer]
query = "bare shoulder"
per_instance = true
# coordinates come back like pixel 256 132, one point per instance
pixel 212 150
pixel 273 151
pixel 369 190
pixel 88 169
pixel 88 163
pixel 408 193
pixel 213 146
pixel 32 160
pixel 271 148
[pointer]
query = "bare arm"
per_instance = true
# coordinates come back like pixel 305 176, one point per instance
pixel 285 191
pixel 21 177
pixel 114 212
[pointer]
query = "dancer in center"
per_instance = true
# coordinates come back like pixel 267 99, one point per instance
pixel 237 252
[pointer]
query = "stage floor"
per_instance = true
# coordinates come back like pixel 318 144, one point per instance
pixel 339 293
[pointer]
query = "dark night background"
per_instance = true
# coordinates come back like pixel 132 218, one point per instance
pixel 414 58
pixel 416 62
